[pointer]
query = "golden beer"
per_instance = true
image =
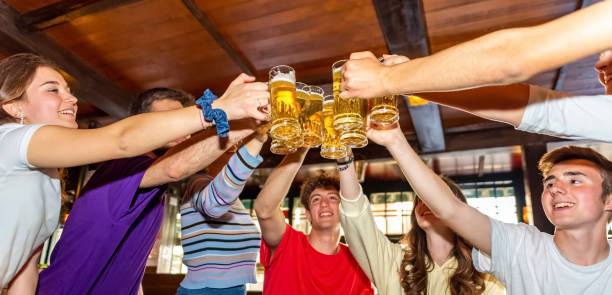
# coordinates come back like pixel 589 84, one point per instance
pixel 285 109
pixel 384 110
pixel 356 138
pixel 331 148
pixel 310 117
pixel 347 109
pixel 280 147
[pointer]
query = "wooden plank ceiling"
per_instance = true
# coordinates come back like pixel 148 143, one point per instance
pixel 159 43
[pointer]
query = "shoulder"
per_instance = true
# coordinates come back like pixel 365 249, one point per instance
pixel 122 171
pixel 129 165
pixel 18 130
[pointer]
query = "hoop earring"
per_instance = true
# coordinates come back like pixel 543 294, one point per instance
pixel 21 118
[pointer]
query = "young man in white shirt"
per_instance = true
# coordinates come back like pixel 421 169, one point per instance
pixel 577 199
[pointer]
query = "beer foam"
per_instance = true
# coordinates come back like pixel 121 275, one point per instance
pixel 287 77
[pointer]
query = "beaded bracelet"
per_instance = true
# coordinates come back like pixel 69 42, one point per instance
pixel 216 116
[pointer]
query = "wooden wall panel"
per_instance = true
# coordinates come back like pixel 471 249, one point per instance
pixel 24 6
pixel 148 44
pixel 581 78
pixel 450 22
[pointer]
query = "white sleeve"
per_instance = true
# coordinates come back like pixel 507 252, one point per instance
pixel 575 117
pixel 507 243
pixel 14 144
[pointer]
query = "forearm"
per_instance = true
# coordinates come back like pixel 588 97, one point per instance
pixel 189 157
pixel 498 103
pixel 508 56
pixel 277 185
pixel 426 184
pixel 482 61
pixel 349 184
pixel 217 197
pixel 132 136
pixel 431 189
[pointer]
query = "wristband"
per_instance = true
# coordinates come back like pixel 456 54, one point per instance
pixel 216 116
pixel 344 165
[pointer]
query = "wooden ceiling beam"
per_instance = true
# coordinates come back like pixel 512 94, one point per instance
pixel 403 26
pixel 88 84
pixel 65 11
pixel 238 58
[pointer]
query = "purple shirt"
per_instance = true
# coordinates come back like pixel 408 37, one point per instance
pixel 108 235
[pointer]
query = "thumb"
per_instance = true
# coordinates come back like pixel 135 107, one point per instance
pixel 241 79
pixel 363 55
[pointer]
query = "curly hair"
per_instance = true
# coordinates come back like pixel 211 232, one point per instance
pixel 322 180
pixel 417 261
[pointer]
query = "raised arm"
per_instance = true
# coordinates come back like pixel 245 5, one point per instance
pixel 502 57
pixel 498 103
pixel 217 197
pixel 195 154
pixel 267 205
pixel 53 146
pixel 378 257
pixel 460 217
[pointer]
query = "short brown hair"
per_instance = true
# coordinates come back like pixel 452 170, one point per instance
pixel 572 152
pixel 322 180
pixel 16 73
pixel 145 100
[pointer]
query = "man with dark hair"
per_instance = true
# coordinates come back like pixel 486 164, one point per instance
pixel 147 100
pixel 113 224
pixel 296 263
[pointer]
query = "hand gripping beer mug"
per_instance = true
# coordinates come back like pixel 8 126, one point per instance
pixel 331 148
pixel 384 110
pixel 285 109
pixel 347 109
pixel 310 117
pixel 356 138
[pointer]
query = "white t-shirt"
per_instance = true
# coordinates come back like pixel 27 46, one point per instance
pixel 574 117
pixel 30 200
pixel 527 261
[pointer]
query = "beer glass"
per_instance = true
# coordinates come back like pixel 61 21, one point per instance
pixel 331 148
pixel 310 117
pixel 356 138
pixel 280 147
pixel 285 109
pixel 347 109
pixel 384 110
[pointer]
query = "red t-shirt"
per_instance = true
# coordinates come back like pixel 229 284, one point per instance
pixel 297 268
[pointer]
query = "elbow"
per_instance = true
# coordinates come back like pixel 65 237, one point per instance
pixel 510 59
pixel 449 214
pixel 263 212
pixel 176 171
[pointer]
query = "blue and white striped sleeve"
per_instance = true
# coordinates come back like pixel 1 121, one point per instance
pixel 218 196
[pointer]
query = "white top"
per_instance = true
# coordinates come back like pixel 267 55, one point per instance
pixel 528 261
pixel 574 117
pixel 29 200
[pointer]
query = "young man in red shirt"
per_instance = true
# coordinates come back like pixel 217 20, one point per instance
pixel 296 263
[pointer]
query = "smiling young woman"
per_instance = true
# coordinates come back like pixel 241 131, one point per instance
pixel 38 134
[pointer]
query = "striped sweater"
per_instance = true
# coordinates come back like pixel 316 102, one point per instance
pixel 220 241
